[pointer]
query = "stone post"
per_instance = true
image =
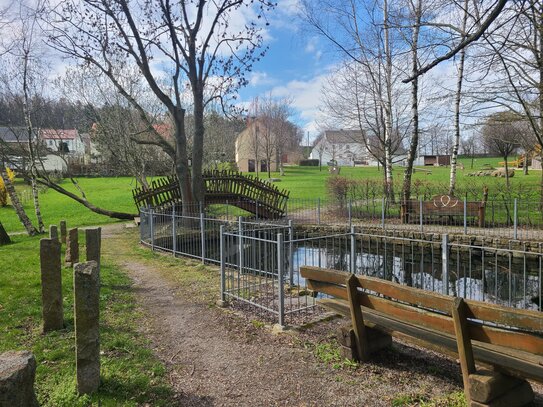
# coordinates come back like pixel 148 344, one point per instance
pixel 63 231
pixel 53 232
pixel 87 327
pixel 51 285
pixel 93 240
pixel 17 373
pixel 72 247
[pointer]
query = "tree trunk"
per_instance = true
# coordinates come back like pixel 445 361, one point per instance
pixel 182 162
pixel 17 205
pixel 414 144
pixel 85 203
pixel 4 237
pixel 525 164
pixel 388 107
pixel 37 208
pixel 198 147
pixel 454 157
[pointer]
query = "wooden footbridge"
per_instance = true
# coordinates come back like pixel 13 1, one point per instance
pixel 221 187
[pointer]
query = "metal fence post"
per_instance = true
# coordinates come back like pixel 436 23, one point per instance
pixel 174 231
pixel 383 213
pixel 227 210
pixel 240 247
pixel 203 236
pixel 256 206
pixel 465 217
pixel 515 220
pixel 445 264
pixel 318 211
pixel 290 253
pixel 152 227
pixel 223 265
pixel 280 287
pixel 353 251
pixel 350 212
pixel 421 215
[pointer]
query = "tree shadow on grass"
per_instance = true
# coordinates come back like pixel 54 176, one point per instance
pixel 159 394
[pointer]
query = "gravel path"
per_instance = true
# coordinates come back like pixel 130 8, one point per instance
pixel 218 358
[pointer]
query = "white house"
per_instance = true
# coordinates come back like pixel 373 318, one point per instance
pixel 65 141
pixel 347 148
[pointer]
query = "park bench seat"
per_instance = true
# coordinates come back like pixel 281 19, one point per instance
pixel 506 343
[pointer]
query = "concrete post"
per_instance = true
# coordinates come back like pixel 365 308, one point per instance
pixel 72 247
pixel 51 285
pixel 93 240
pixel 87 327
pixel 53 232
pixel 63 231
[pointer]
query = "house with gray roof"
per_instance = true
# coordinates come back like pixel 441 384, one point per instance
pixel 347 148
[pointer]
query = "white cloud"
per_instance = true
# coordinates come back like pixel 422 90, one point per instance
pixel 306 99
pixel 259 78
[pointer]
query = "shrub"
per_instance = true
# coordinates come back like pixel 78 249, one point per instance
pixel 339 188
pixel 3 191
pixel 309 163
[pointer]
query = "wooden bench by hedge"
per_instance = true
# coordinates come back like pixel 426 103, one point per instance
pixel 506 343
pixel 443 206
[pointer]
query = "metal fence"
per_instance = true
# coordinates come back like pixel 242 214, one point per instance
pixel 260 262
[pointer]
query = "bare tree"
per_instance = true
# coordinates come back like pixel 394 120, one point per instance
pixel 362 33
pixel 202 58
pixel 501 136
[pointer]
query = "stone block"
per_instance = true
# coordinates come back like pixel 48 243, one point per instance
pixel 93 241
pixel 17 373
pixel 63 231
pixel 72 247
pixel 51 285
pixel 87 326
pixel 53 232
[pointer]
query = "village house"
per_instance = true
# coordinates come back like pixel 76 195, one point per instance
pixel 347 148
pixel 255 143
pixel 63 141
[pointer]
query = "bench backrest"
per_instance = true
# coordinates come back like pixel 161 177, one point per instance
pixel 487 323
pixel 444 205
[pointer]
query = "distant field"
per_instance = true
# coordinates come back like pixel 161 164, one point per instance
pixel 302 182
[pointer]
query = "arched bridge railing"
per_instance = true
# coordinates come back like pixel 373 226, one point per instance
pixel 221 187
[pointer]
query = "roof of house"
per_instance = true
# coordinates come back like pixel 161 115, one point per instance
pixel 13 134
pixel 343 136
pixel 57 134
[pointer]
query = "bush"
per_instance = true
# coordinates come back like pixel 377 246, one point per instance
pixel 3 191
pixel 309 163
pixel 339 189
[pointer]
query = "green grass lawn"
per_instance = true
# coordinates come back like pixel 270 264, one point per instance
pixel 302 182
pixel 109 193
pixel 131 375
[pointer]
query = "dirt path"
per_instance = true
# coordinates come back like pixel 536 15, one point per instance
pixel 216 358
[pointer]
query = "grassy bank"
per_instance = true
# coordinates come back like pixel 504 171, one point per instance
pixel 131 375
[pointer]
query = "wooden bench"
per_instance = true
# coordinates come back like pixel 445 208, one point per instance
pixel 505 343
pixel 443 205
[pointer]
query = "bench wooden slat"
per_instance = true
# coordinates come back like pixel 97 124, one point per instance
pixel 513 362
pixel 522 319
pixel 442 323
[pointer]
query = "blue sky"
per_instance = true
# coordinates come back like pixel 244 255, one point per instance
pixel 295 66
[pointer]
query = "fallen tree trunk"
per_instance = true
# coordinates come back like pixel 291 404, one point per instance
pixel 83 201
